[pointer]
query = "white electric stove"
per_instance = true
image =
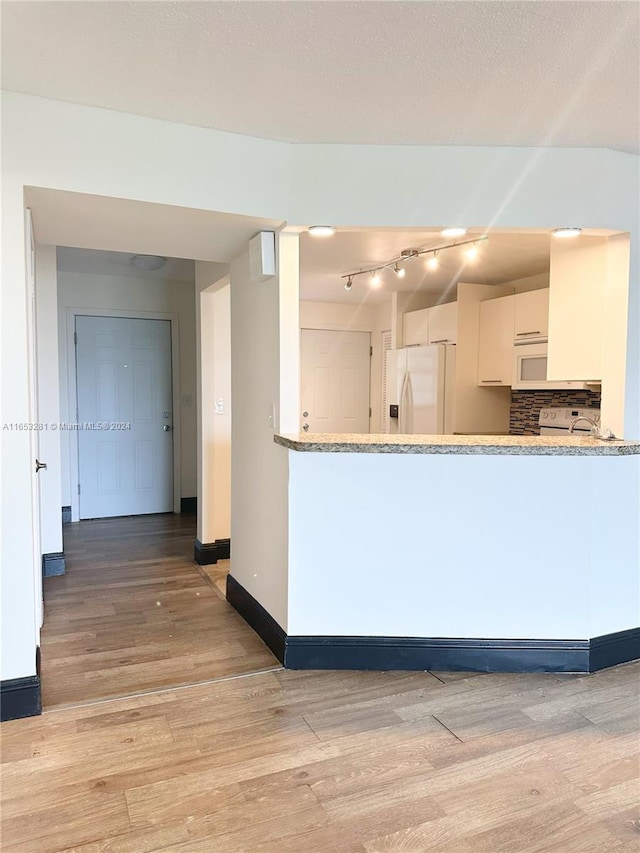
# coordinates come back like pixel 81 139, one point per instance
pixel 557 420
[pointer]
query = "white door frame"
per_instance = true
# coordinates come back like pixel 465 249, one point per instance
pixel 74 455
pixel 34 437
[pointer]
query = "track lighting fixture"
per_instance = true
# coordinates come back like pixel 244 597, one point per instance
pixel 397 264
pixel 472 252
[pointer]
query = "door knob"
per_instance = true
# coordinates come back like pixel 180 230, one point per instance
pixel 40 465
pixel 166 428
pixel 305 427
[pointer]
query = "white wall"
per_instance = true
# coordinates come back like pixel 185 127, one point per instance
pixel 530 282
pixel 462 561
pixel 213 320
pixel 49 400
pixel 82 149
pixel 264 339
pixel 128 293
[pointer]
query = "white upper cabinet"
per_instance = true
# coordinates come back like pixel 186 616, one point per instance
pixel 443 324
pixel 580 275
pixel 532 315
pixel 415 327
pixel 495 348
pixel 437 325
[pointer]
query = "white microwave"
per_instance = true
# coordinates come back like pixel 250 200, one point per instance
pixel 530 370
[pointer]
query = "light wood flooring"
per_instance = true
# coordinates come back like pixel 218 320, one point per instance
pixel 292 762
pixel 334 762
pixel 134 613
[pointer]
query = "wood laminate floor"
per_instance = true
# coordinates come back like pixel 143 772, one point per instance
pixel 334 762
pixel 134 613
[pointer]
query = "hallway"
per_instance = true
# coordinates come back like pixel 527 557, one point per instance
pixel 134 614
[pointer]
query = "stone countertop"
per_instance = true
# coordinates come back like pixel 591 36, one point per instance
pixel 489 445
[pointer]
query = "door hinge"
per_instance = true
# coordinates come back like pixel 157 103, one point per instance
pixel 78 488
pixel 370 351
pixel 77 415
pixel 370 413
pixel 75 338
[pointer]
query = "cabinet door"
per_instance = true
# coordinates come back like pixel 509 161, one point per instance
pixel 443 324
pixel 495 349
pixel 415 327
pixel 532 314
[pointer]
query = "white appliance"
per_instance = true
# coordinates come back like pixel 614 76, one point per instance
pixel 420 389
pixel 530 369
pixel 556 421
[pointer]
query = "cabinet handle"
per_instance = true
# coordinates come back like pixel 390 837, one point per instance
pixel 523 334
pixel 441 341
pixel 491 380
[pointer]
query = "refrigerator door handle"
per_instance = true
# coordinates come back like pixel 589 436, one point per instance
pixel 409 405
pixel 403 392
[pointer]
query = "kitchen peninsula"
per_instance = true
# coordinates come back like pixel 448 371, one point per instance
pixel 488 553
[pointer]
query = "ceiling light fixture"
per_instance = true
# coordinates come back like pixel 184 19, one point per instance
pixel 405 256
pixel 149 263
pixel 321 230
pixel 453 231
pixel 567 232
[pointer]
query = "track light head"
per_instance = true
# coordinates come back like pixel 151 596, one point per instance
pixel 349 283
pixel 399 271
pixel 432 263
pixel 376 278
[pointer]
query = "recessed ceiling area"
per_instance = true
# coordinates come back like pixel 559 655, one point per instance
pixel 556 73
pixel 507 255
pixel 135 227
pixel 96 262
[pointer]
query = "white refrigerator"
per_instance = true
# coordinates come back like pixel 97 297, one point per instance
pixel 420 383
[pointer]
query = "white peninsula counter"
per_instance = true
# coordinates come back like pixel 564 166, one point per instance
pixel 461 552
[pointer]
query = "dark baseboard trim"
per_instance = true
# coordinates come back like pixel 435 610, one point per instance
pixel 208 553
pixel 66 515
pixel 433 653
pixel 53 564
pixel 257 617
pixel 20 697
pixel 611 649
pixel 188 506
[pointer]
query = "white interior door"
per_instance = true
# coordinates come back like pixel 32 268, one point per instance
pixel 124 415
pixel 335 381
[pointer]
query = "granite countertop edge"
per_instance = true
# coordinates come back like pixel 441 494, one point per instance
pixel 459 445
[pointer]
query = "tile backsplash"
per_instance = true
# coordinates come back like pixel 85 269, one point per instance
pixel 526 405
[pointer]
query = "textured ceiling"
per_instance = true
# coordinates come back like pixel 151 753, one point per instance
pixel 451 73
